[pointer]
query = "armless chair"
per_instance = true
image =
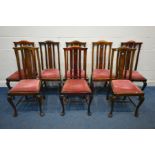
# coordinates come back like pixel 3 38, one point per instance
pixel 28 64
pixel 76 84
pixel 14 77
pixel 123 58
pixel 50 61
pixel 101 54
pixel 75 43
pixel 136 76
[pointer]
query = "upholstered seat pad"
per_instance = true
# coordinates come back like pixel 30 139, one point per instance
pixel 15 76
pixel 101 74
pixel 78 74
pixel 76 86
pixel 125 87
pixel 50 74
pixel 136 76
pixel 26 86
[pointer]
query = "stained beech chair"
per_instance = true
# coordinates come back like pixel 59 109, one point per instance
pixel 101 54
pixel 28 64
pixel 75 43
pixel 76 84
pixel 136 76
pixel 50 61
pixel 123 58
pixel 14 77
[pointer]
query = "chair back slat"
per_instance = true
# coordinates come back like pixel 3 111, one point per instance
pixel 50 55
pixel 75 61
pixel 58 49
pixel 101 53
pixel 85 61
pixel 71 63
pixel 79 63
pixel 28 62
pixel 137 46
pixel 109 56
pixel 97 56
pixel 41 56
pixel 101 57
pixel 104 62
pixel 54 58
pixel 66 61
pixel 123 58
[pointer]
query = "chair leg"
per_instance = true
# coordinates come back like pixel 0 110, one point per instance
pixel 112 106
pixel 8 84
pixel 124 97
pixel 92 84
pixel 108 92
pixel 105 84
pixel 60 86
pixel 139 104
pixel 62 105
pixel 43 84
pixel 26 98
pixel 40 100
pixel 89 103
pixel 10 100
pixel 144 85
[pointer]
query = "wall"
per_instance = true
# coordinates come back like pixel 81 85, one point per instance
pixel 116 34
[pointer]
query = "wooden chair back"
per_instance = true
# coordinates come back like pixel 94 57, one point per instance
pixel 50 55
pixel 75 61
pixel 122 59
pixel 24 43
pixel 75 43
pixel 101 53
pixel 28 62
pixel 137 46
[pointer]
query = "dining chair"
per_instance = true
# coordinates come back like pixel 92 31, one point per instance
pixel 136 76
pixel 75 43
pixel 14 77
pixel 75 84
pixel 101 54
pixel 28 64
pixel 121 66
pixel 50 61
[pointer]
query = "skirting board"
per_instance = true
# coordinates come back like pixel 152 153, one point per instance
pixel 149 83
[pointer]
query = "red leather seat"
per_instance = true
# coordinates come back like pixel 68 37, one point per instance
pixel 26 86
pixel 76 86
pixel 136 76
pixel 101 74
pixel 50 74
pixel 15 76
pixel 121 87
pixel 82 74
